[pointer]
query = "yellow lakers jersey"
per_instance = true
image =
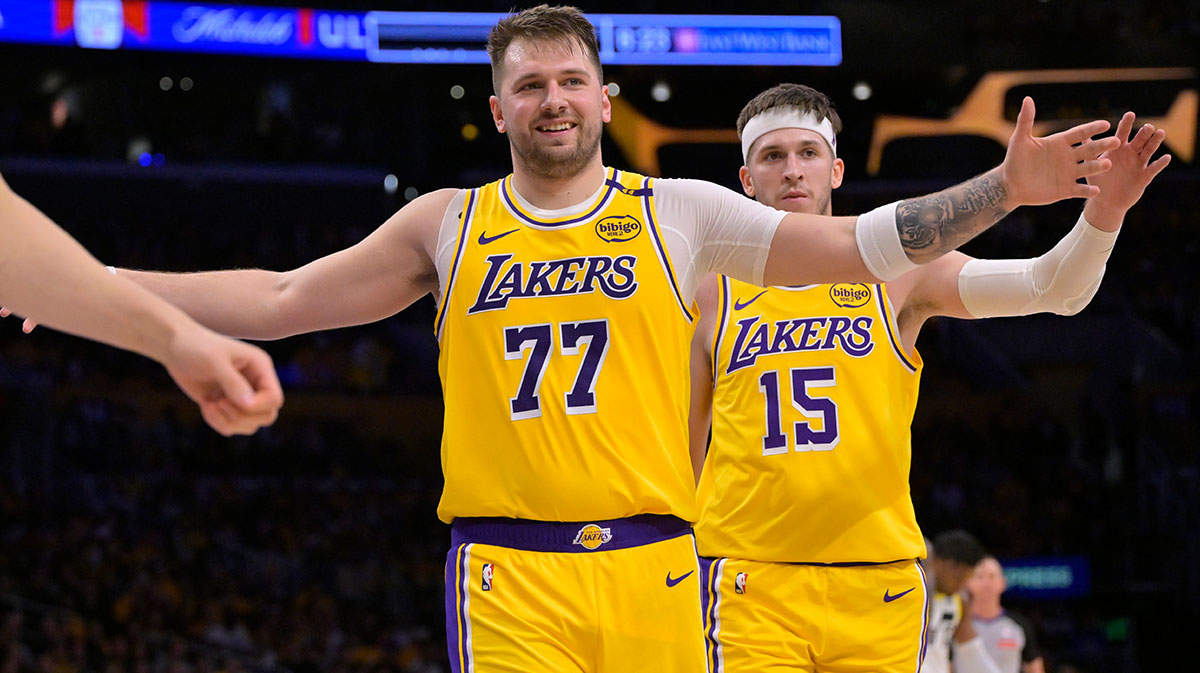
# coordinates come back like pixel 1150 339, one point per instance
pixel 813 400
pixel 564 362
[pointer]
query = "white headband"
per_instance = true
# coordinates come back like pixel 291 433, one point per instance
pixel 785 117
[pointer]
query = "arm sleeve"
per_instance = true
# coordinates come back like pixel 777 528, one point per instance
pixel 1061 281
pixel 707 227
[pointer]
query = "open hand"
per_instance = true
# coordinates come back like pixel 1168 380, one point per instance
pixel 1037 171
pixel 1131 172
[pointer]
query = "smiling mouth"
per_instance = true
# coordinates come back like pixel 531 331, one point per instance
pixel 556 128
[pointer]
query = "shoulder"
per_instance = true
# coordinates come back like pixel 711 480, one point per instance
pixel 698 192
pixel 424 214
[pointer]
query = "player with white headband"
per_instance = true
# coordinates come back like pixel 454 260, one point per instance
pixel 807 534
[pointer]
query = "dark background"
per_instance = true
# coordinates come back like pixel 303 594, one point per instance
pixel 132 537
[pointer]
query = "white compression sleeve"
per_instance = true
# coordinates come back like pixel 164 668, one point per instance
pixel 879 243
pixel 1061 281
pixel 971 657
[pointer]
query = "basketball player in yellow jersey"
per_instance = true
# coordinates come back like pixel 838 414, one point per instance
pixel 807 534
pixel 564 294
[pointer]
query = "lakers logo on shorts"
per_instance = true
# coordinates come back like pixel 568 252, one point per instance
pixel 739 583
pixel 850 295
pixel 592 536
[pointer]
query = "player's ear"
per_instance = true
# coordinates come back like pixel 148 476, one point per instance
pixel 839 172
pixel 497 113
pixel 606 105
pixel 747 183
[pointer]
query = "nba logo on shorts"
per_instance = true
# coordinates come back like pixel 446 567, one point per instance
pixel 739 583
pixel 487 576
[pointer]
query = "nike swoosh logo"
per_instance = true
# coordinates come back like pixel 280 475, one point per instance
pixel 672 581
pixel 738 305
pixel 889 598
pixel 484 239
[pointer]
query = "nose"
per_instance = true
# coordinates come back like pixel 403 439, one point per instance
pixel 554 100
pixel 793 168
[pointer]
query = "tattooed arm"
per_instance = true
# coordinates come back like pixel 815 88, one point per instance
pixel 931 226
pixel 1036 171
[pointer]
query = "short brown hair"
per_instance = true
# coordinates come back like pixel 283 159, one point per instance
pixel 806 98
pixel 544 22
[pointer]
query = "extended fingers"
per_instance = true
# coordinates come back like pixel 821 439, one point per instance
pixel 1078 134
pixel 1091 149
pixel 1124 126
pixel 1147 141
pixel 1025 118
pixel 1158 165
pixel 1085 169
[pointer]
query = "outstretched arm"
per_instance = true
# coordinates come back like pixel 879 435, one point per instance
pixel 44 272
pixel 1066 278
pixel 369 281
pixel 1061 281
pixel 889 241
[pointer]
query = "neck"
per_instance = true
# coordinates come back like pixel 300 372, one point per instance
pixel 556 193
pixel 986 610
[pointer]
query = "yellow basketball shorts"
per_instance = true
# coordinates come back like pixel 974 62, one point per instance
pixel 607 596
pixel 791 617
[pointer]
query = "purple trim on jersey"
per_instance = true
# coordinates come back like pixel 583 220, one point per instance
pixel 559 536
pixel 472 200
pixel 456 610
pixel 600 205
pixel 924 618
pixel 726 294
pixel 710 573
pixel 885 315
pixel 648 193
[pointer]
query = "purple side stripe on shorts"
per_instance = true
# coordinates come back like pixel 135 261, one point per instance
pixel 561 536
pixel 710 571
pixel 456 644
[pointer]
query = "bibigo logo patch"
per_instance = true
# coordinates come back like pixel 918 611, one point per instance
pixel 618 228
pixel 850 295
pixel 592 536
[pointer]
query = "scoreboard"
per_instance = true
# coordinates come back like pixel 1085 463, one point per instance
pixel 407 37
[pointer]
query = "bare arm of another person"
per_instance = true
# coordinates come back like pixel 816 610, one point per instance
pixel 46 274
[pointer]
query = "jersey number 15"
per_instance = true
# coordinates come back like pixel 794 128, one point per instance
pixel 803 380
